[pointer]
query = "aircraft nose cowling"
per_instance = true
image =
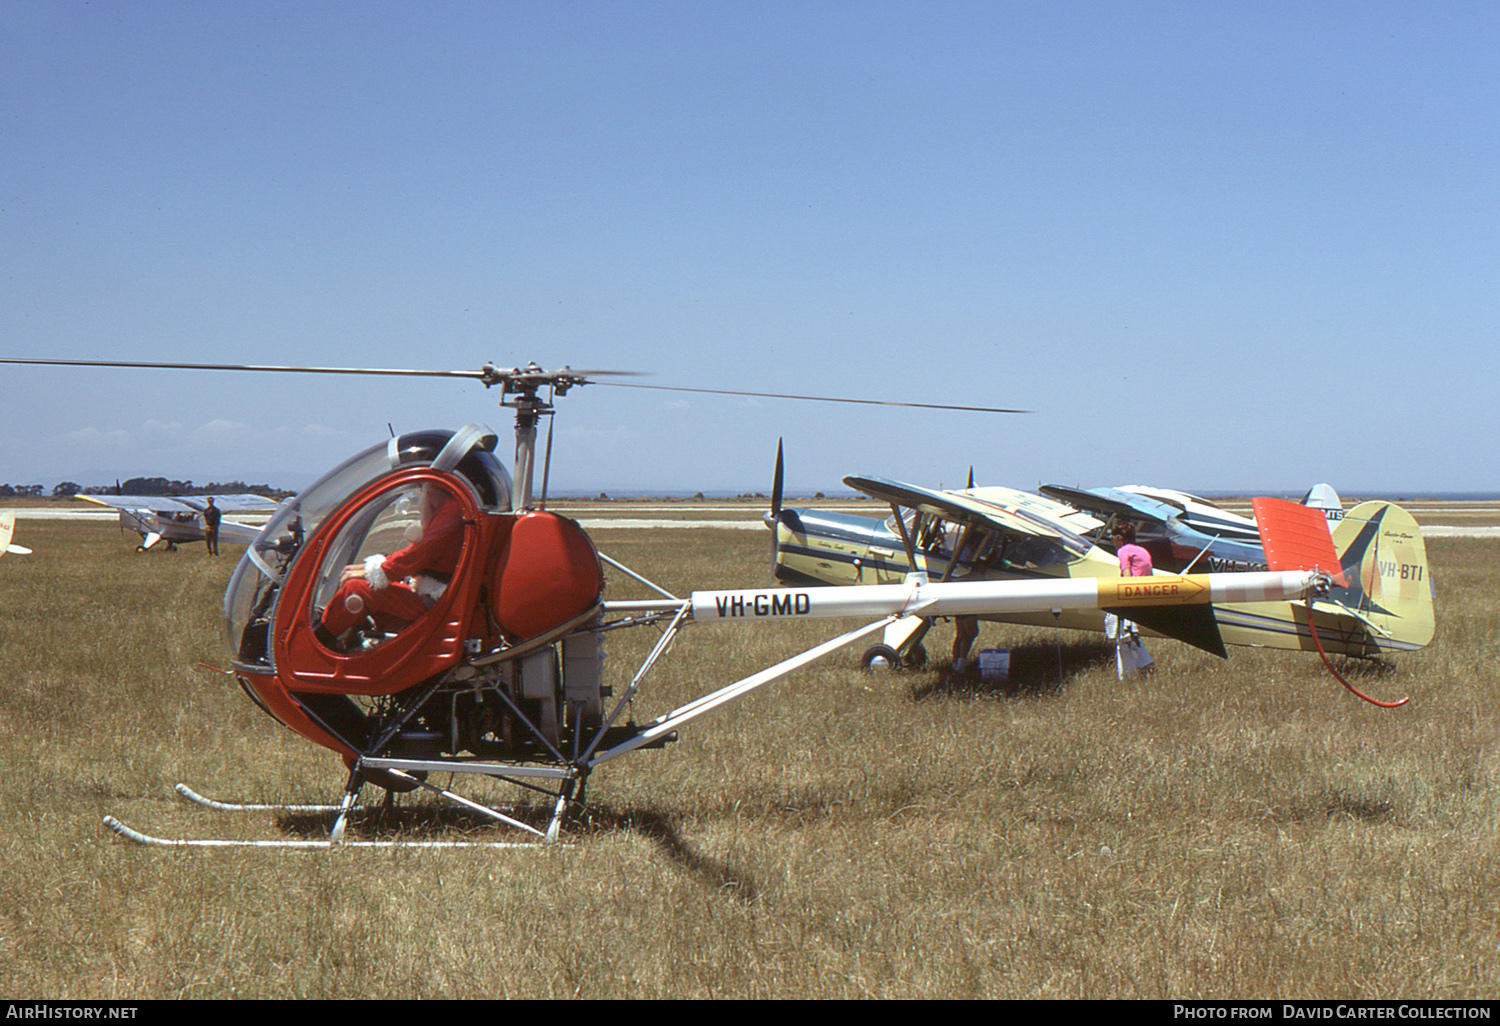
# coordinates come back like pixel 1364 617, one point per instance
pixel 547 573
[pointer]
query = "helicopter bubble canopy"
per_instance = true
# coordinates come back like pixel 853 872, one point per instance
pixel 250 601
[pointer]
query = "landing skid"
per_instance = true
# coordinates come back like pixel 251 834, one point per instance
pixel 170 842
pixel 209 803
pixel 395 768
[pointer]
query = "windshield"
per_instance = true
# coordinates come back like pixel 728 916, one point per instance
pixel 249 603
pixel 412 537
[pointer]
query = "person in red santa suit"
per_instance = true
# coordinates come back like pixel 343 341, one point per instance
pixel 395 590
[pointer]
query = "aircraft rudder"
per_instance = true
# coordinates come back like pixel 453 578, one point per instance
pixel 1381 549
pixel 1323 497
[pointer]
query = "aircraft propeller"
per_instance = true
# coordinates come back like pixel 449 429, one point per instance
pixel 776 485
pixel 773 517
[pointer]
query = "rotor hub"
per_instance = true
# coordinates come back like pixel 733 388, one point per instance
pixel 525 382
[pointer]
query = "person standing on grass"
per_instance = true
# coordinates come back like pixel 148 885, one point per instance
pixel 1135 561
pixel 211 515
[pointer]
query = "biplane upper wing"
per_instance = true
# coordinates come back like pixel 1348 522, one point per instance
pixel 1071 517
pixel 969 510
pixel 1113 502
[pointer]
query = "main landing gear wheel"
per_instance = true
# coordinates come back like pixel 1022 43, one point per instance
pixel 916 658
pixel 879 657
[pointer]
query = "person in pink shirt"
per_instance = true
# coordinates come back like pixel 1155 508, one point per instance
pixel 1135 561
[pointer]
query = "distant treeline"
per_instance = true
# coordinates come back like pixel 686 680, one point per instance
pixel 144 486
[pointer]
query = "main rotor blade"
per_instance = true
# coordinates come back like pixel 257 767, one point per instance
pixel 488 372
pixel 813 398
pixel 253 367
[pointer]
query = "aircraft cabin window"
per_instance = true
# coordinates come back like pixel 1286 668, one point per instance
pixel 387 566
pixel 938 536
pixel 250 601
pixel 1034 553
pixel 976 552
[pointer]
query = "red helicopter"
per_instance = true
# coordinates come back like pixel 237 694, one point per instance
pixel 418 611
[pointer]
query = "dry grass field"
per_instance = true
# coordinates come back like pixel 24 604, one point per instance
pixel 1223 830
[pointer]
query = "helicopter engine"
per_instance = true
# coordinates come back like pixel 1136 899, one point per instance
pixel 514 710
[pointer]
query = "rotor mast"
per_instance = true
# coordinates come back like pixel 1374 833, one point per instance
pixel 525 384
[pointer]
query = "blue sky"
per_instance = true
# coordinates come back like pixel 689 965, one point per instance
pixel 1213 246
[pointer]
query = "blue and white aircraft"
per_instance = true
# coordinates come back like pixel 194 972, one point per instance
pixel 1184 532
pixel 174 519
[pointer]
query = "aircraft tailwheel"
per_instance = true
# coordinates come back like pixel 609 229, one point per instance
pixel 879 657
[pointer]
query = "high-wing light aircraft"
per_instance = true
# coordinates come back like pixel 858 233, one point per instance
pixel 419 611
pixel 158 518
pixel 7 530
pixel 1383 605
pixel 1184 532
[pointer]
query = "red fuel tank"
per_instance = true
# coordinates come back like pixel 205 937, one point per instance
pixel 547 573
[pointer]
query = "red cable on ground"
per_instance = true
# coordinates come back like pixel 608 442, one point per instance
pixel 1336 676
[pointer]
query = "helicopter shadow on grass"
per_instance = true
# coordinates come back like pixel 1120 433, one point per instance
pixel 1037 670
pixel 660 829
pixel 431 822
pixel 415 823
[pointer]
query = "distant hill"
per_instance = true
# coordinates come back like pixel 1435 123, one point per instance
pixel 162 486
pixel 143 486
